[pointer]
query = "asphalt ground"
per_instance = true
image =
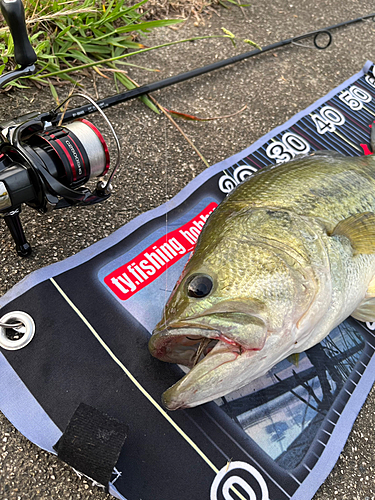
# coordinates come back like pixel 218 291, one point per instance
pixel 158 162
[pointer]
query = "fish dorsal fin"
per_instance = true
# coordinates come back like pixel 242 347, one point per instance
pixel 360 230
pixel 323 153
pixel 373 136
pixel 328 153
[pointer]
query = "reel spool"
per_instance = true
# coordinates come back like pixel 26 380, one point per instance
pixel 72 153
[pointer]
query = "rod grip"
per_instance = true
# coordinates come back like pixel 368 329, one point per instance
pixel 14 15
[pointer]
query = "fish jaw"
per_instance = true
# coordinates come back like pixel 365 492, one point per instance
pixel 218 373
pixel 221 367
pixel 226 368
pixel 184 341
pixel 207 376
pixel 211 349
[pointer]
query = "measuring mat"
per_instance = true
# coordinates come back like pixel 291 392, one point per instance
pixel 83 384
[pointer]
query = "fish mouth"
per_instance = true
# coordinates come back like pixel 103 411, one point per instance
pixel 186 344
pixel 205 351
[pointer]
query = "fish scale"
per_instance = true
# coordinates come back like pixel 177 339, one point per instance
pixel 327 180
pixel 289 254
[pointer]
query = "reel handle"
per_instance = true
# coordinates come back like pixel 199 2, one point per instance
pixel 14 15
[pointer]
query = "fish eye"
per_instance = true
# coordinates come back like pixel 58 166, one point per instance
pixel 199 286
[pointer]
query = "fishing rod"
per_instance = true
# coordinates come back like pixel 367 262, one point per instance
pixel 318 41
pixel 46 159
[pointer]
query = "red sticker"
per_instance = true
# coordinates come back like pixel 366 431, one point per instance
pixel 139 272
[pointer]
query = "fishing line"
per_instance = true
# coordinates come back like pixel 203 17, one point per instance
pixel 166 213
pixel 152 87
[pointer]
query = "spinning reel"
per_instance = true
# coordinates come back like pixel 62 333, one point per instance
pixel 43 163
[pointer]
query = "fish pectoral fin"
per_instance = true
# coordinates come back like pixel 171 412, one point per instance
pixel 366 309
pixel 294 359
pixel 371 289
pixel 360 230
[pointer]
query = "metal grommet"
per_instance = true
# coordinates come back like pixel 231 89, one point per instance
pixel 25 331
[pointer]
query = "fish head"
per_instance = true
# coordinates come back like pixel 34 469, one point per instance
pixel 218 317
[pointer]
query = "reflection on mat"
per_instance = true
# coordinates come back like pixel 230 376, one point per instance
pixel 284 410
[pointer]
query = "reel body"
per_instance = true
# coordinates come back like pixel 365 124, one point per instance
pixel 43 163
pixel 46 166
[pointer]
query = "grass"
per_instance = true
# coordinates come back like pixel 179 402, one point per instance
pixel 70 36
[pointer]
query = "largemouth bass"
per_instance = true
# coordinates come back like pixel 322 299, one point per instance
pixel 285 258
